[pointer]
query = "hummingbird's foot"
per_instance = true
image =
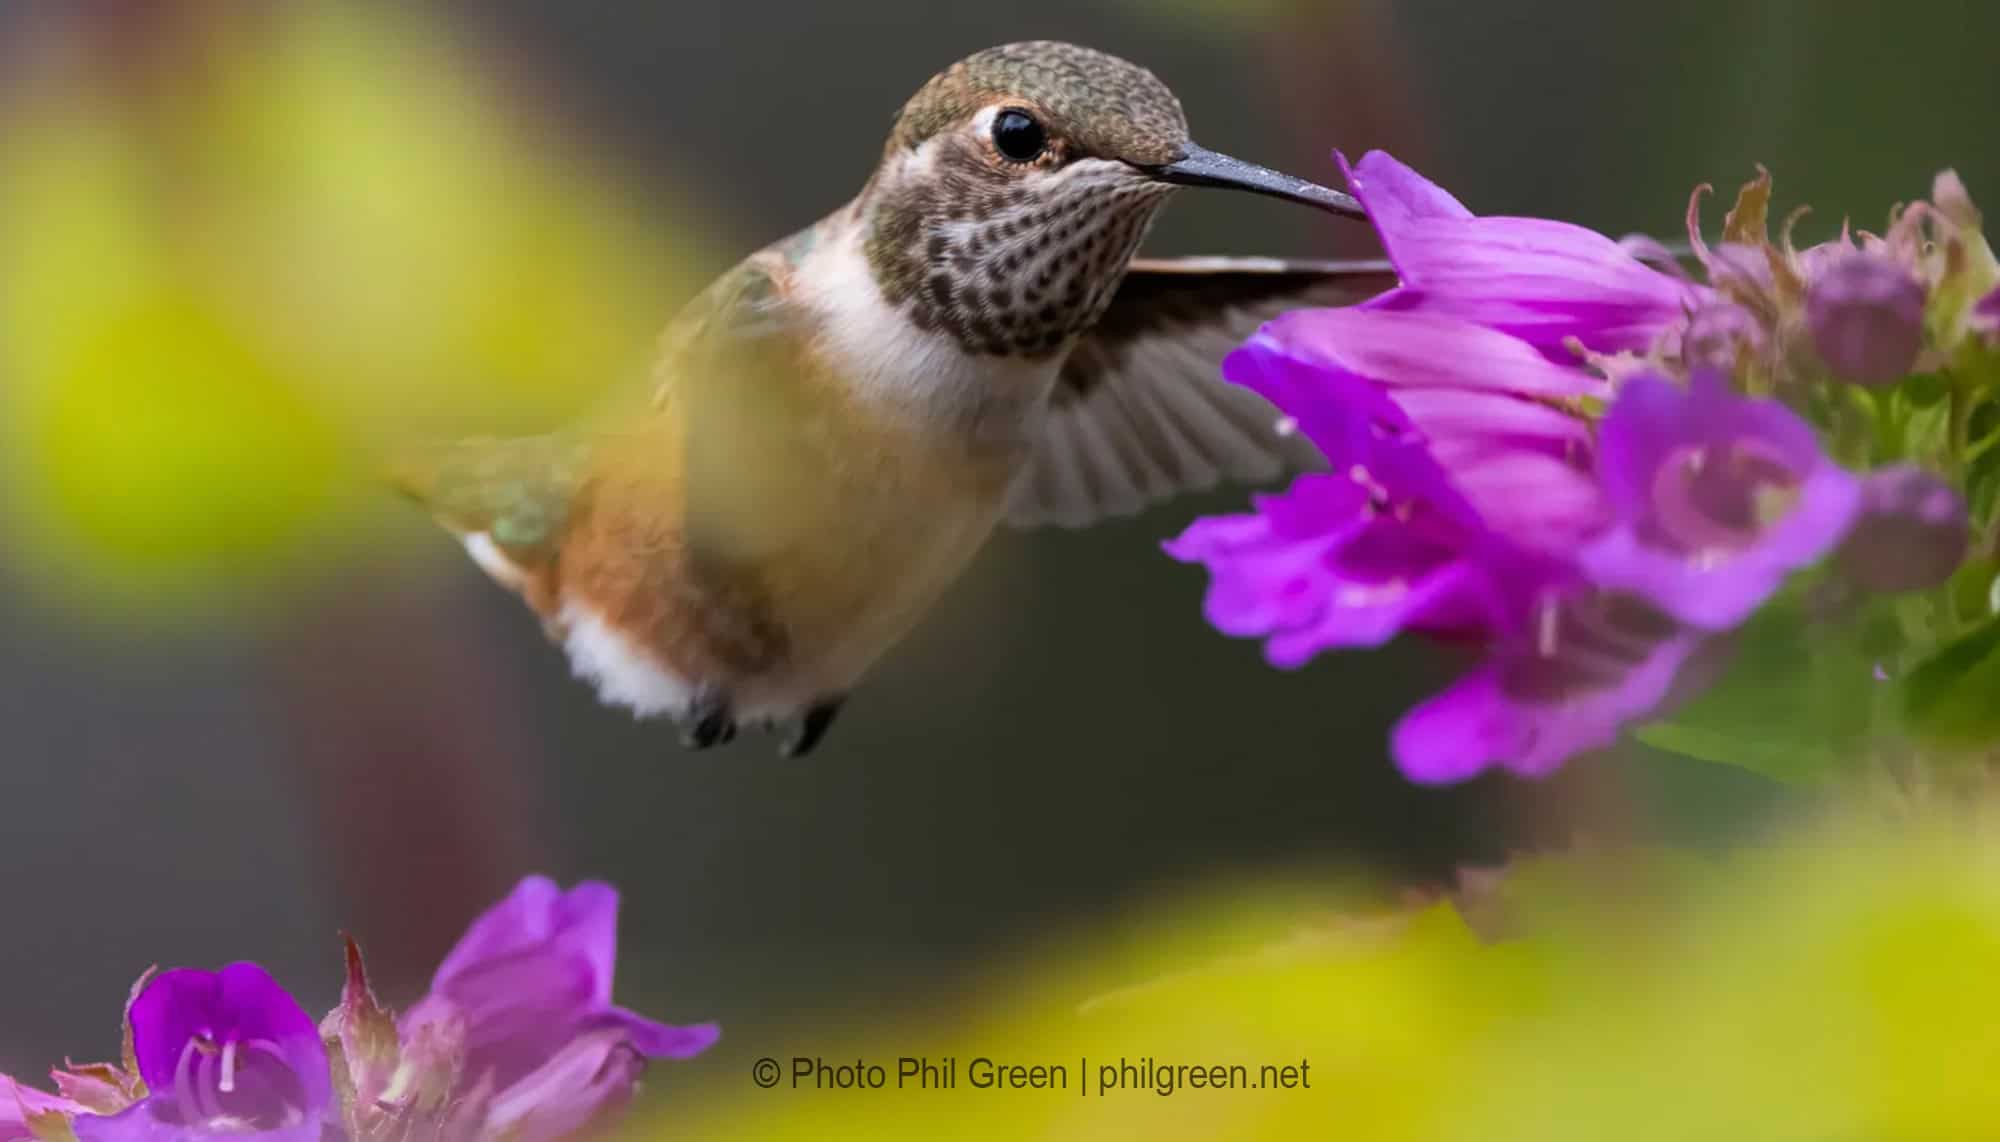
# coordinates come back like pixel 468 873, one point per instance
pixel 708 722
pixel 811 728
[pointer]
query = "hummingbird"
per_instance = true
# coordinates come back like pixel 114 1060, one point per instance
pixel 836 425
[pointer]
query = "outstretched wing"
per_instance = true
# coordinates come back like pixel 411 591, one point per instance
pixel 1141 412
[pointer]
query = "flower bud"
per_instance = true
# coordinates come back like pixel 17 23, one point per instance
pixel 1718 334
pixel 1814 260
pixel 1911 533
pixel 1867 317
pixel 1742 268
pixel 1952 200
pixel 1986 316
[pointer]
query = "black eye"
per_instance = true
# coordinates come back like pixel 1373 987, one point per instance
pixel 1018 136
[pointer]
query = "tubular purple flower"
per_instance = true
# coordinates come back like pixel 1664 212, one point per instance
pixel 1867 317
pixel 1353 558
pixel 1911 532
pixel 532 976
pixel 1599 566
pixel 226 1052
pixel 587 1082
pixel 1542 281
pixel 1716 499
pixel 1591 664
pixel 1365 384
pixel 1340 561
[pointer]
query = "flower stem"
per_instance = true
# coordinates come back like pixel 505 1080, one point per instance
pixel 1958 424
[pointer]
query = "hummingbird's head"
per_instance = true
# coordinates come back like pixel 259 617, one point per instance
pixel 1018 183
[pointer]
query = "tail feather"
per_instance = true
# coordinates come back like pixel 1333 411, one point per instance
pixel 517 491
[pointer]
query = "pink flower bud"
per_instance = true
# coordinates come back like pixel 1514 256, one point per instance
pixel 1986 316
pixel 1911 534
pixel 1867 317
pixel 1718 334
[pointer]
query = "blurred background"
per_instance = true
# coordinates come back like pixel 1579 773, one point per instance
pixel 247 700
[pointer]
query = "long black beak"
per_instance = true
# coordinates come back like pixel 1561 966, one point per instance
pixel 1199 166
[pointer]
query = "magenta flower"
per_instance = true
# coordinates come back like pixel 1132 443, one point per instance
pixel 1346 561
pixel 1441 521
pixel 1516 463
pixel 1483 405
pixel 518 1039
pixel 1592 664
pixel 1464 481
pixel 587 1082
pixel 1541 281
pixel 523 1002
pixel 22 1108
pixel 1457 469
pixel 226 1052
pixel 1717 498
pixel 1351 560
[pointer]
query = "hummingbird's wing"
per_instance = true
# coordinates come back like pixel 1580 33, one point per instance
pixel 1141 413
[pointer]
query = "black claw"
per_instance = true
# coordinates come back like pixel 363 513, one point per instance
pixel 812 728
pixel 709 723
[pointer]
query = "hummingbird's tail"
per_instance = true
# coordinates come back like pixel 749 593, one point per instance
pixel 516 491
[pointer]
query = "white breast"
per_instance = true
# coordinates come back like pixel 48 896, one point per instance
pixel 920 377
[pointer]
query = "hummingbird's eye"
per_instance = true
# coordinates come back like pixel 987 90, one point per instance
pixel 1018 136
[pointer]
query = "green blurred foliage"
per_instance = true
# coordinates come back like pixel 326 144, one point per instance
pixel 1835 983
pixel 1951 696
pixel 225 299
pixel 1797 699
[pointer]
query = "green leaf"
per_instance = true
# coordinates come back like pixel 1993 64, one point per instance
pixel 1798 701
pixel 1953 697
pixel 1982 477
pixel 1971 589
pixel 1781 761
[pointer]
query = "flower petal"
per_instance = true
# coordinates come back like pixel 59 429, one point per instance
pixel 1986 315
pixel 1397 200
pixel 142 1123
pixel 240 1003
pixel 1540 502
pixel 21 1104
pixel 1343 415
pixel 1653 422
pixel 1401 349
pixel 592 1077
pixel 1531 708
pixel 139 1124
pixel 539 916
pixel 1540 280
pixel 659 1040
pixel 1358 578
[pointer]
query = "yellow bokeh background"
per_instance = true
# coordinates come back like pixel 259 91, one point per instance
pixel 1832 983
pixel 229 290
